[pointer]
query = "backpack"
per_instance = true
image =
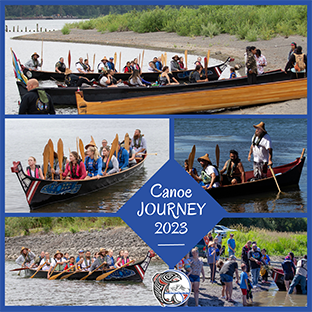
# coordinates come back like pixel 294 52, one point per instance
pixel 299 65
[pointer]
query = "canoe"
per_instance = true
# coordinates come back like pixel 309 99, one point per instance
pixel 278 277
pixel 271 87
pixel 43 192
pixel 286 175
pixel 214 72
pixel 132 273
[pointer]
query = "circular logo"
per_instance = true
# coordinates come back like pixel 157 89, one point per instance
pixel 29 74
pixel 171 288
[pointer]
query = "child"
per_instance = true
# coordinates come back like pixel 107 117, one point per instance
pixel 233 73
pixel 71 263
pixel 249 291
pixel 244 283
pixel 219 266
pixel 187 264
pixel 267 261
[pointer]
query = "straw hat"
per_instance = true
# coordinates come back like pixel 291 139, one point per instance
pixel 35 53
pixel 261 126
pixel 90 144
pixel 205 157
pixel 175 56
pixel 58 252
pixel 102 251
pixel 104 59
pixel 211 243
pixel 67 71
pixel 24 248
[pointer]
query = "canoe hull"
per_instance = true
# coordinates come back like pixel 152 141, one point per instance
pixel 278 277
pixel 43 192
pixel 286 175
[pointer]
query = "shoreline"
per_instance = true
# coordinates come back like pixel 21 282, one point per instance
pixel 222 46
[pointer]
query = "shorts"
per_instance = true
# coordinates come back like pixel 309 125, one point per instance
pixel 222 283
pixel 226 278
pixel 244 292
pixel 288 276
pixel 194 278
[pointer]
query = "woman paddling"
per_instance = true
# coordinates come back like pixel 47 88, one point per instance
pixel 75 169
pixel 113 165
pixel 93 162
pixel 166 78
pixel 34 170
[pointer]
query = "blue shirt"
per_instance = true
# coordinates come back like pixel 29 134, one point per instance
pixel 243 277
pixel 93 170
pixel 231 242
pixel 266 259
pixel 123 158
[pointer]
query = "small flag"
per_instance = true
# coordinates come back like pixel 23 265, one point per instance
pixel 17 69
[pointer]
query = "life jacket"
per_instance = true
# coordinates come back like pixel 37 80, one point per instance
pixel 70 265
pixel 124 261
pixel 85 261
pixel 95 164
pixel 35 62
pixel 74 175
pixel 206 178
pixel 61 66
pixel 299 65
pixel 229 170
pixel 137 145
pixel 256 140
pixel 59 267
pixel 84 66
pixel 28 171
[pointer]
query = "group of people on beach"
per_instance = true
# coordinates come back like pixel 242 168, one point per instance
pixel 85 261
pixel 97 163
pixel 233 170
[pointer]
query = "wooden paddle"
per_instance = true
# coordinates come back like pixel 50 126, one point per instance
pixel 273 174
pixel 52 278
pixel 115 58
pixel 90 273
pixel 68 275
pixel 162 60
pixel 127 142
pixel 139 62
pixel 51 156
pixel 88 57
pixel 101 277
pixel 69 59
pixel 206 65
pixel 302 153
pixel 46 154
pixel 53 269
pixel 19 273
pixel 117 146
pixel 142 59
pixel 38 270
pixel 217 155
pixel 81 147
pixel 77 144
pixel 185 58
pixel 191 158
pixel 93 62
pixel 165 58
pixel 119 62
pixel 60 154
pixel 111 152
pixel 19 269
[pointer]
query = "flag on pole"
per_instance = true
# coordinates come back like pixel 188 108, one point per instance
pixel 17 69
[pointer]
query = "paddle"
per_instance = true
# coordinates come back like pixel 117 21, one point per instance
pixel 117 146
pixel 101 277
pixel 60 154
pixel 185 58
pixel 88 57
pixel 53 269
pixel 115 58
pixel 139 59
pixel 217 155
pixel 206 65
pixel 51 156
pixel 127 142
pixel 69 59
pixel 273 174
pixel 68 275
pixel 119 61
pixel 77 144
pixel 46 154
pixel 191 158
pixel 19 269
pixel 165 58
pixel 162 59
pixel 81 147
pixel 111 152
pixel 90 273
pixel 38 269
pixel 302 153
pixel 19 273
pixel 52 278
pixel 142 59
pixel 93 61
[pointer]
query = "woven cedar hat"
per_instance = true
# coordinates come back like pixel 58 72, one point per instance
pixel 102 251
pixel 92 143
pixel 35 53
pixel 23 249
pixel 205 157
pixel 175 56
pixel 58 252
pixel 261 126
pixel 104 59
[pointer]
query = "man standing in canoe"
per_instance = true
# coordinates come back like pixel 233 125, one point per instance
pixel 251 65
pixel 33 63
pixel 234 170
pixel 261 148
pixel 26 258
pixel 36 101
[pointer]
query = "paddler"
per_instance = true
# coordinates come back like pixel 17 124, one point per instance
pixel 209 174
pixel 33 63
pixel 99 260
pixel 234 170
pixel 60 66
pixel 261 148
pixel 59 263
pixel 26 259
pixel 49 262
pixel 138 143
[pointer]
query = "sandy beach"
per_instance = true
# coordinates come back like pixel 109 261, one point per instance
pixel 275 50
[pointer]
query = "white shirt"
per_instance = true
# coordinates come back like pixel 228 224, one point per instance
pixel 83 265
pixel 211 169
pixel 47 267
pixel 261 152
pixel 79 66
pixel 103 81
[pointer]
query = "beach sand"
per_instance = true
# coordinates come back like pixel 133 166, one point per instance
pixel 275 50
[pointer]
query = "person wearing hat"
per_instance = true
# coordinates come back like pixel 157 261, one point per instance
pixel 293 47
pixel 251 65
pixel 59 262
pixel 36 101
pixel 254 257
pixel 301 276
pixel 111 65
pixel 174 64
pixel 80 255
pixel 102 66
pixel 212 259
pixel 93 162
pixel 60 66
pixel 209 176
pixel 261 148
pixel 99 260
pixel 33 63
pixel 234 170
pixel 26 259
pixel 231 245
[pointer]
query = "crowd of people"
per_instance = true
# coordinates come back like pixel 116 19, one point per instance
pixel 85 261
pixel 233 170
pixel 96 161
pixel 255 266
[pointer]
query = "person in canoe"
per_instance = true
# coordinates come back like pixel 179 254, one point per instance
pixel 158 64
pixel 56 168
pixel 135 80
pixel 261 148
pixel 113 166
pixel 59 264
pixel 137 66
pixel 48 262
pixel 209 176
pixel 80 66
pixel 195 75
pixel 166 78
pixel 128 68
pixel 33 63
pixel 138 143
pixel 60 66
pixel 72 80
pixel 75 169
pixel 234 170
pixel 123 158
pixel 297 63
pixel 99 260
pixel 36 101
pixel 71 263
pixel 132 160
pixel 251 65
pixel 87 66
pixel 111 65
pixel 26 259
pixel 104 143
pixel 93 162
pixel 103 65
pixel 174 64
pixel 34 170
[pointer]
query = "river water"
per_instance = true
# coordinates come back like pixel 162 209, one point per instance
pixel 289 137
pixel 52 51
pixel 31 135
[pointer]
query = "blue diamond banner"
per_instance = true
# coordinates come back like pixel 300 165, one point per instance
pixel 171 213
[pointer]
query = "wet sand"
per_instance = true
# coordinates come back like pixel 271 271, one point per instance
pixel 276 51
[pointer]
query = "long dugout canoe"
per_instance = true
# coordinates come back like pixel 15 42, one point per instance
pixel 198 100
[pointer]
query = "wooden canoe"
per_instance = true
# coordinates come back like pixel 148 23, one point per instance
pixel 43 192
pixel 198 100
pixel 132 273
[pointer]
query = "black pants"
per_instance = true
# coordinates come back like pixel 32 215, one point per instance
pixel 251 78
pixel 82 80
